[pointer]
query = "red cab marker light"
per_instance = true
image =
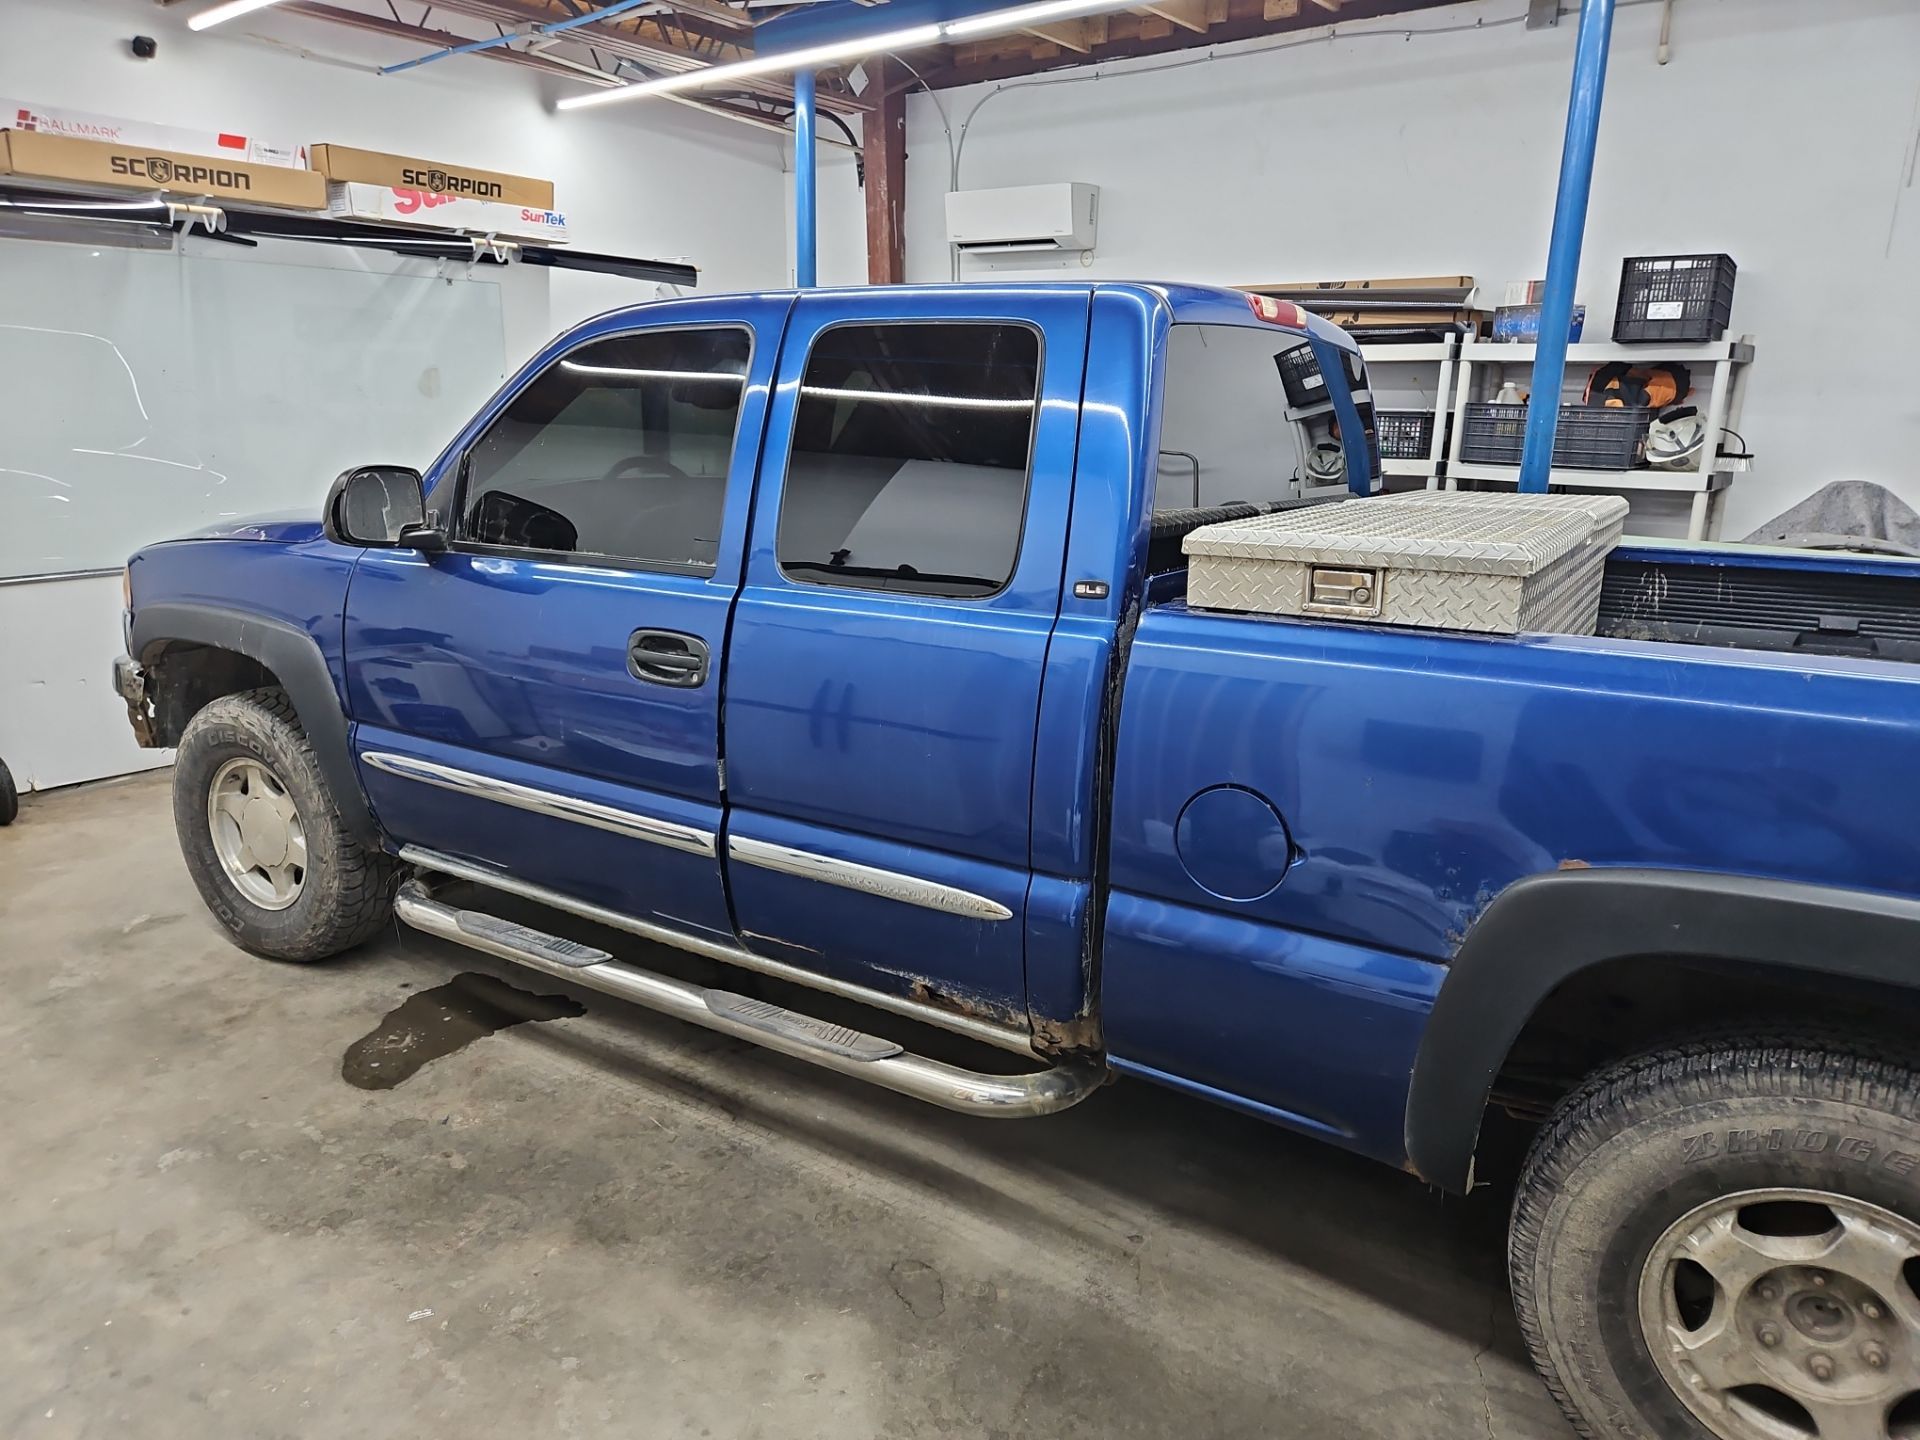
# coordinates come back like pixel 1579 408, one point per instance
pixel 1277 312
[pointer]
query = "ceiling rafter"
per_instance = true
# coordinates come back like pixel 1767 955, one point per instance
pixel 758 110
pixel 1187 14
pixel 1079 36
pixel 651 42
pixel 1148 27
pixel 404 30
pixel 678 36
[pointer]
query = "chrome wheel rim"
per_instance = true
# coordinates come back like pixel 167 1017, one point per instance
pixel 1787 1314
pixel 257 833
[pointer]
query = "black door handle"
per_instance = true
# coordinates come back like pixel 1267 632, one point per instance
pixel 667 657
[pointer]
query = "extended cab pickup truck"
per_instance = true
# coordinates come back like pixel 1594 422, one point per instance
pixel 841 636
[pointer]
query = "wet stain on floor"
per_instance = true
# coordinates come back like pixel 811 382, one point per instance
pixel 438 1022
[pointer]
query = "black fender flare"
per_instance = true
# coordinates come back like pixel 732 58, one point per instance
pixel 1543 930
pixel 294 656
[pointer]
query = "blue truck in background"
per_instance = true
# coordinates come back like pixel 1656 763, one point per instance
pixel 841 636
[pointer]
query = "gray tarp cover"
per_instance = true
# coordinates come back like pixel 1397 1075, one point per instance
pixel 1846 515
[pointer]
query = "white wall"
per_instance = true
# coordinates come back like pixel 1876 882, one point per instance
pixel 657 181
pixel 1779 133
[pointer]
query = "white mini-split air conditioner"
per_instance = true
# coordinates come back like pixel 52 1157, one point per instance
pixel 1023 219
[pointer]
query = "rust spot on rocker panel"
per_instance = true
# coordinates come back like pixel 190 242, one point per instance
pixel 1575 865
pixel 1079 1036
pixel 974 1007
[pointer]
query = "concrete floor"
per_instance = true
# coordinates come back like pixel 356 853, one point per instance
pixel 614 1224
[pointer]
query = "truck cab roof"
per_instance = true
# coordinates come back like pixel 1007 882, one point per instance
pixel 1185 304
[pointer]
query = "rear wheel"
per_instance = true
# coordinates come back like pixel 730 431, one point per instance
pixel 1723 1241
pixel 263 839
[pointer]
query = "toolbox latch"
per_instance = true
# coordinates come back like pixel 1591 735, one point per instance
pixel 1344 591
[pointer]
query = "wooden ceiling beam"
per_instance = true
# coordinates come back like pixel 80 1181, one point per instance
pixel 661 55
pixel 711 19
pixel 1132 35
pixel 1187 14
pixel 423 35
pixel 720 14
pixel 670 29
pixel 1079 36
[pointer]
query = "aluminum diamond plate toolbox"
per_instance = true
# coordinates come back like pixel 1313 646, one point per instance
pixel 1497 564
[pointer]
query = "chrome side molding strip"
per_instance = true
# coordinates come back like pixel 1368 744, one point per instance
pixel 1003 1037
pixel 849 1052
pixel 763 854
pixel 868 879
pixel 545 802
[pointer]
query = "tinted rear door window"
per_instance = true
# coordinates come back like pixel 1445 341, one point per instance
pixel 910 458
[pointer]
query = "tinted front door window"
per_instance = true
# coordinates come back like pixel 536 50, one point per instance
pixel 618 450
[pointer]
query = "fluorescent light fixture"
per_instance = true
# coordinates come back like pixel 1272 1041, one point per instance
pixel 760 65
pixel 992 22
pixel 232 10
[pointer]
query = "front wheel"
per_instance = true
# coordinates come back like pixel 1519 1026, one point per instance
pixel 263 839
pixel 1723 1241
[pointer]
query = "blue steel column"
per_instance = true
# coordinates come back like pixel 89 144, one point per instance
pixel 805 211
pixel 1563 251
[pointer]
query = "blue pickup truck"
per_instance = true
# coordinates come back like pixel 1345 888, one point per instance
pixel 841 636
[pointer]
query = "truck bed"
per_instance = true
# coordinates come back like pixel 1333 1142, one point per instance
pixel 1797 602
pixel 1541 750
pixel 1408 777
pixel 1802 602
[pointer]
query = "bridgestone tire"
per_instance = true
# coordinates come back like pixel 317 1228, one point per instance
pixel 346 896
pixel 9 797
pixel 1644 1143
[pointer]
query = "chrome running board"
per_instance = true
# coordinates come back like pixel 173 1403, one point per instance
pixel 833 1047
pixel 1004 1037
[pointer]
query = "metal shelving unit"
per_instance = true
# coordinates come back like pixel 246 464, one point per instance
pixel 1443 354
pixel 1727 361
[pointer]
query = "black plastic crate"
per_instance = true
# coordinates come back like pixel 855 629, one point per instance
pixel 1587 437
pixel 1406 434
pixel 1300 376
pixel 1687 298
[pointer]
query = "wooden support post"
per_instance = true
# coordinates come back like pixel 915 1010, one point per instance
pixel 883 146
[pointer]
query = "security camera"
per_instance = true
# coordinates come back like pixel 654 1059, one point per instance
pixel 144 47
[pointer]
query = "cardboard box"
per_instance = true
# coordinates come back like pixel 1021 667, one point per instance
pixel 402 172
pixel 1373 289
pixel 1393 319
pixel 36 156
pixel 386 204
pixel 84 125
